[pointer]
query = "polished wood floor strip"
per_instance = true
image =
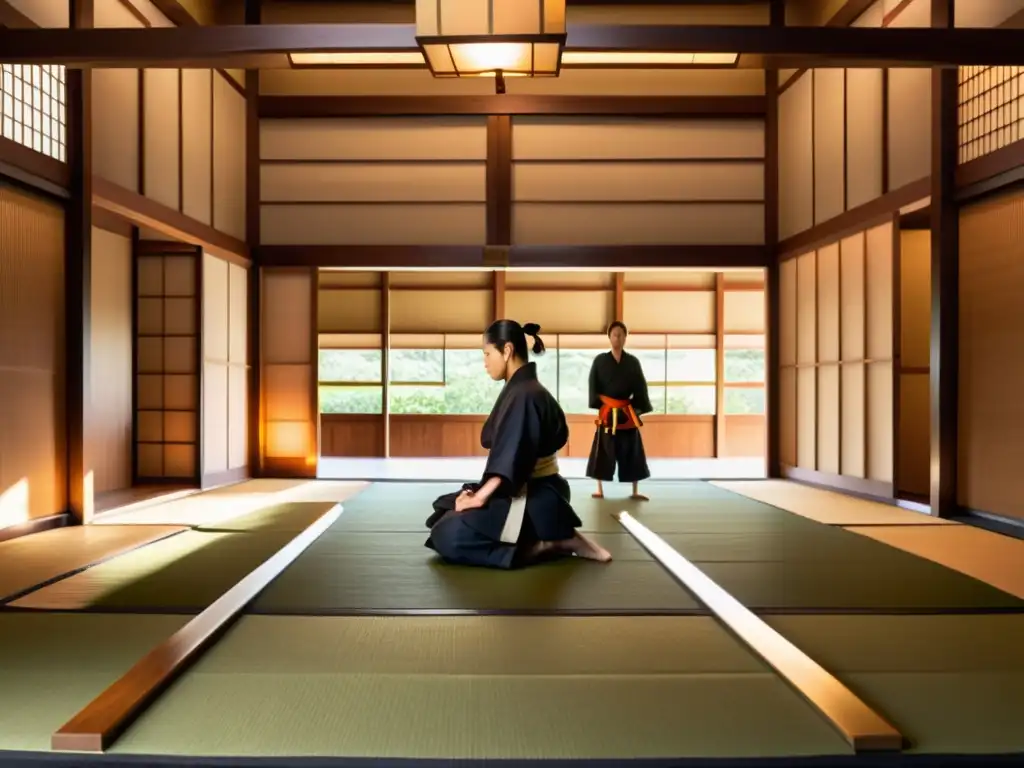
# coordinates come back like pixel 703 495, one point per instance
pixel 99 724
pixel 862 727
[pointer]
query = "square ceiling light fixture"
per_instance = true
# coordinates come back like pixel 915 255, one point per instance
pixel 491 38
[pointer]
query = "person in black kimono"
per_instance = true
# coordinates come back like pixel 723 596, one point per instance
pixel 618 390
pixel 520 512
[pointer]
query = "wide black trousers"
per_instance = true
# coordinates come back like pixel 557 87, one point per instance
pixel 473 537
pixel 624 449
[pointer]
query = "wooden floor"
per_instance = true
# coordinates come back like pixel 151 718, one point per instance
pixel 458 470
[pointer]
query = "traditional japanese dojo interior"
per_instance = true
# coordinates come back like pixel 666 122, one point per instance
pixel 248 251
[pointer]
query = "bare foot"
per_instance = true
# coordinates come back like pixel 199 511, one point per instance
pixel 540 550
pixel 639 497
pixel 581 546
pixel 597 495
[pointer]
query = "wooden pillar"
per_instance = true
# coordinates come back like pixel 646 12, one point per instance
pixel 252 238
pixel 773 373
pixel 945 235
pixel 385 363
pixel 77 275
pixel 620 295
pixel 499 295
pixel 499 180
pixel 719 364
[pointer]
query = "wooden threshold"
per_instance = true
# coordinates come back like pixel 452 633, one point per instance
pixel 862 727
pixel 106 717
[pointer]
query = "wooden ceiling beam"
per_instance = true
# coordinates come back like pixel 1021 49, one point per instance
pixel 515 256
pixel 295 107
pixel 267 45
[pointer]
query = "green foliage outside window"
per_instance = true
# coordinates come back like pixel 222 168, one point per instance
pixel 742 365
pixel 453 381
pixel 744 401
pixel 350 366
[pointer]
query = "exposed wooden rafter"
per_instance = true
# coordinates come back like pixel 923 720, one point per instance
pixel 383 257
pixel 293 107
pixel 267 46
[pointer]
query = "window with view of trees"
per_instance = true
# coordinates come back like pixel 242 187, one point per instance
pixel 350 381
pixel 440 381
pixel 454 381
pixel 744 381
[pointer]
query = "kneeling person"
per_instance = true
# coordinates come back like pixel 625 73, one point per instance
pixel 520 511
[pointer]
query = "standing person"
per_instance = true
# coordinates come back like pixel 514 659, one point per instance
pixel 520 511
pixel 618 390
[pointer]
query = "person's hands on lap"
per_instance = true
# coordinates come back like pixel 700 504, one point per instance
pixel 467 500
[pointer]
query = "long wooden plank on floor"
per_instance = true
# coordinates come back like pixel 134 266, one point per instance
pixel 33 561
pixel 862 727
pixel 99 724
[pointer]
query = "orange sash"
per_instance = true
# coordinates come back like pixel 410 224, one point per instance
pixel 608 416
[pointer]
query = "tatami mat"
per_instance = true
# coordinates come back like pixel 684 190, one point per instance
pixel 953 684
pixel 292 516
pixel 479 645
pixel 52 665
pixel 611 717
pixel 935 643
pixel 991 557
pixel 825 506
pixel 324 490
pixel 218 507
pixel 184 573
pixel 484 688
pixel 959 713
pixel 331 579
pixel 31 560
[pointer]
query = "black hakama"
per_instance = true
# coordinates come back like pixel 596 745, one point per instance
pixel 522 434
pixel 618 380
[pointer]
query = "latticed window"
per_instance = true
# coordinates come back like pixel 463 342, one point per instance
pixel 33 109
pixel 991 109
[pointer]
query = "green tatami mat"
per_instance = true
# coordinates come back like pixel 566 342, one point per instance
pixel 412 545
pixel 953 684
pixel 184 573
pixel 870 586
pixel 686 507
pixel 949 712
pixel 332 577
pixel 292 517
pixel 937 643
pixel 52 665
pixel 823 543
pixel 479 645
pixel 683 507
pixel 480 687
pixel 483 717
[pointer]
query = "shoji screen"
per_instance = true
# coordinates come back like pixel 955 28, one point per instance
pixel 167 362
pixel 225 368
pixel 289 368
pixel 837 359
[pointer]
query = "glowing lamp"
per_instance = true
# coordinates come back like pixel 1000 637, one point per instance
pixel 491 38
